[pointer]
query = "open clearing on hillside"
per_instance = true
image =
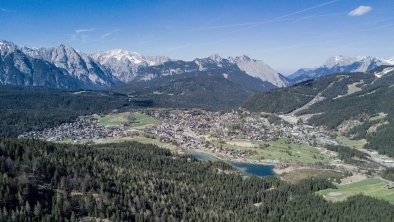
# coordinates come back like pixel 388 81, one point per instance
pixel 136 120
pixel 352 88
pixel 380 116
pixel 369 187
pixel 300 174
pixel 280 149
pixel 345 141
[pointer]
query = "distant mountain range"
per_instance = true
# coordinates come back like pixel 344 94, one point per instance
pixel 67 68
pixel 340 64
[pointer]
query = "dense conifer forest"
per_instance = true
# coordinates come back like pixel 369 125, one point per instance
pixel 30 108
pixel 41 181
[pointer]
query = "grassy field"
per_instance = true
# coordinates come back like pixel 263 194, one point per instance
pixel 300 174
pixel 369 187
pixel 357 144
pixel 278 150
pixel 115 119
pixel 140 120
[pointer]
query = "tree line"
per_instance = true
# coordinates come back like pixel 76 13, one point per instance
pixel 41 181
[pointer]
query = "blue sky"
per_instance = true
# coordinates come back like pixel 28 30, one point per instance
pixel 287 35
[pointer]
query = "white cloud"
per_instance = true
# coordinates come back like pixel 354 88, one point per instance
pixel 360 10
pixel 84 30
pixel 90 35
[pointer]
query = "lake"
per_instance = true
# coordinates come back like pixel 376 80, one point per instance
pixel 245 168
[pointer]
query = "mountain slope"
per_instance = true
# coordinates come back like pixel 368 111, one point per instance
pixel 213 66
pixel 259 69
pixel 57 67
pixel 76 64
pixel 341 64
pixel 17 68
pixel 365 100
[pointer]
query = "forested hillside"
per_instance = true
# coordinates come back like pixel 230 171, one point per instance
pixel 30 108
pixel 136 182
pixel 363 99
pixel 204 89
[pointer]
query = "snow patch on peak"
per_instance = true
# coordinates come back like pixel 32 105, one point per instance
pixel 243 58
pixel 7 47
pixel 126 56
pixel 216 58
pixel 389 61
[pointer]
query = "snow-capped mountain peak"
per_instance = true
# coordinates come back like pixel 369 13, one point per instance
pixel 7 47
pixel 124 64
pixel 216 58
pixel 341 60
pixel 67 67
pixel 389 61
pixel 243 57
pixel 119 54
pixel 342 63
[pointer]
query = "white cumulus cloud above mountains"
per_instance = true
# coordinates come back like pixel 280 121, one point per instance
pixel 360 10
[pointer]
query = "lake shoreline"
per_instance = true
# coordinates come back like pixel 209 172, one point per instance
pixel 245 167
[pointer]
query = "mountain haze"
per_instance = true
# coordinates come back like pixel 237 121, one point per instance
pixel 341 64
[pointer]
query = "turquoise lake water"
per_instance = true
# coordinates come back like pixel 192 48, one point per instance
pixel 245 168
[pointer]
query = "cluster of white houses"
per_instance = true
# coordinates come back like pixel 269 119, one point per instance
pixel 82 130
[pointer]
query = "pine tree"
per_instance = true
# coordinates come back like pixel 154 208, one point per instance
pixel 37 209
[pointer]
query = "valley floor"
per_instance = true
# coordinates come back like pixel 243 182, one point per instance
pixel 296 150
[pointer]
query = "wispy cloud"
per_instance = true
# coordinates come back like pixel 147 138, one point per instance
pixel 360 10
pixel 107 34
pixel 84 30
pixel 90 35
pixel 308 17
pixel 253 24
pixel 5 10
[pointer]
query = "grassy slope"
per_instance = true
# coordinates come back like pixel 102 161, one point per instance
pixel 369 187
pixel 345 141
